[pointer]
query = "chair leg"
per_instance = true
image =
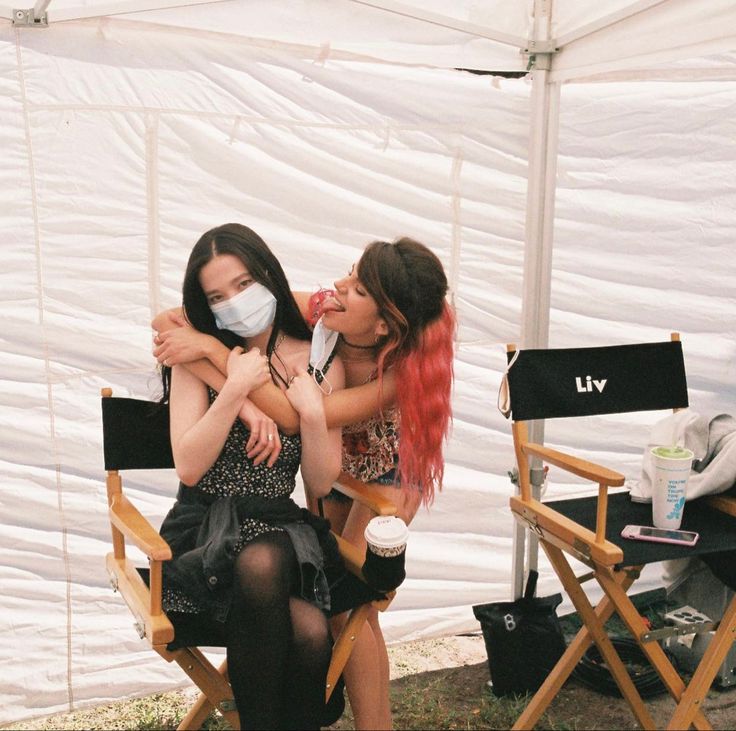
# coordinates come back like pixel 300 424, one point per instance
pixel 599 634
pixel 705 672
pixel 567 663
pixel 652 650
pixel 197 714
pixel 343 645
pixel 216 692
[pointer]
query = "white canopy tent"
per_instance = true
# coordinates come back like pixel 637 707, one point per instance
pixel 130 127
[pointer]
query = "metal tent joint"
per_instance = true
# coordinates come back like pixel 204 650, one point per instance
pixel 539 54
pixel 28 18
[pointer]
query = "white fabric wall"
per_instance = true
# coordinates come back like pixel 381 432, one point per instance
pixel 122 144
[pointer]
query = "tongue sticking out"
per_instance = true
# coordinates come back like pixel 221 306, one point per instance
pixel 332 305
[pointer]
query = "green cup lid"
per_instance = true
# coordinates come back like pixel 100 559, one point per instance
pixel 672 452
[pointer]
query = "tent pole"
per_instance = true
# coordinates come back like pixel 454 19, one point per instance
pixel 544 128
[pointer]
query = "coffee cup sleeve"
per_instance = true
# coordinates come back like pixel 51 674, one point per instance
pixel 384 573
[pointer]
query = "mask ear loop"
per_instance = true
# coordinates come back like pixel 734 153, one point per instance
pixel 323 379
pixel 504 398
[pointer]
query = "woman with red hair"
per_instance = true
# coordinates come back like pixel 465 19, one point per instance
pixel 396 335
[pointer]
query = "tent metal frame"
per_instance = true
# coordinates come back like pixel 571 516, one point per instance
pixel 39 10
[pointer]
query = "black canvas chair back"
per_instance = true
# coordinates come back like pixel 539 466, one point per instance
pixel 135 434
pixel 564 382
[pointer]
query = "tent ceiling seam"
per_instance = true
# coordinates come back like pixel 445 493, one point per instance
pixel 455 176
pixel 154 264
pixel 664 75
pixel 47 367
pixel 308 51
pixel 115 8
pixel 379 127
pixel 633 65
pixel 607 21
pixel 445 21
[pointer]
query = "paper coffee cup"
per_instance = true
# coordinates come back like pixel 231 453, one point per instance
pixel 385 553
pixel 386 535
pixel 672 467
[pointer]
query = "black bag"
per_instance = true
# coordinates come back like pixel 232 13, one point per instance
pixel 523 639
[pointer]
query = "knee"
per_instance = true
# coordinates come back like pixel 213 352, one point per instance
pixel 311 633
pixel 315 642
pixel 261 567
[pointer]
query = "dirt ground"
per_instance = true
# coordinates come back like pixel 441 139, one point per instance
pixel 436 684
pixel 457 667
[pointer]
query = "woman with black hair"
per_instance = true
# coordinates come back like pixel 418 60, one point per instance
pixel 249 564
pixel 393 328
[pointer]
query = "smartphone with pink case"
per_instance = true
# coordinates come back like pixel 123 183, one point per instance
pixel 660 535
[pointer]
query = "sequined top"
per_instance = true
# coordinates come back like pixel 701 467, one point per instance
pixel 370 448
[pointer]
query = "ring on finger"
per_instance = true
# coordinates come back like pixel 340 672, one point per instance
pixel 270 437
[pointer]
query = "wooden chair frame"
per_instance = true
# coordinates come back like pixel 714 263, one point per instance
pixel 559 536
pixel 152 624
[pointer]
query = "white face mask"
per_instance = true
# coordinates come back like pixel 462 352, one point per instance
pixel 248 313
pixel 323 343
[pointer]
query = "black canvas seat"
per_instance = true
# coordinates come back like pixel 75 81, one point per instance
pixel 716 529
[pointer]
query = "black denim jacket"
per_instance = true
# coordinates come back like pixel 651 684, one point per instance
pixel 203 532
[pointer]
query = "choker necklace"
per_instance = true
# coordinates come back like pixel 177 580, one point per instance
pixel 363 359
pixel 358 347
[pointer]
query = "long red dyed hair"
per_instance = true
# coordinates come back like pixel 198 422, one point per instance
pixel 409 285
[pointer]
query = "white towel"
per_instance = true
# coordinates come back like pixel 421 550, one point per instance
pixel 712 441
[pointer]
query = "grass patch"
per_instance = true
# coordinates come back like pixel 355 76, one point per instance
pixel 162 711
pixel 449 698
pixel 458 698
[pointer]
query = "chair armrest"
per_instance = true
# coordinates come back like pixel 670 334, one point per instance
pixel 361 491
pixel 587 470
pixel 352 556
pixel 126 518
pixel 566 533
pixel 724 503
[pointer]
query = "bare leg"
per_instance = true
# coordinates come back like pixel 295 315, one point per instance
pixel 382 656
pixel 363 679
pixel 367 670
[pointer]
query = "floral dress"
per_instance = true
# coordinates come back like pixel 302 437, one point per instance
pixel 234 474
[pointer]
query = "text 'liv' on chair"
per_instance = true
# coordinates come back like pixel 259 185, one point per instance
pixel 136 436
pixel 544 384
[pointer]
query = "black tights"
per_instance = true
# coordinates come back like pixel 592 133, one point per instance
pixel 279 645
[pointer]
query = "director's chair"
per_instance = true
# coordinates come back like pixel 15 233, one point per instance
pixel 136 436
pixel 553 383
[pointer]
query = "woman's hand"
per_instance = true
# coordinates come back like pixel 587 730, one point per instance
pixel 305 395
pixel 246 371
pixel 182 344
pixel 321 447
pixel 264 441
